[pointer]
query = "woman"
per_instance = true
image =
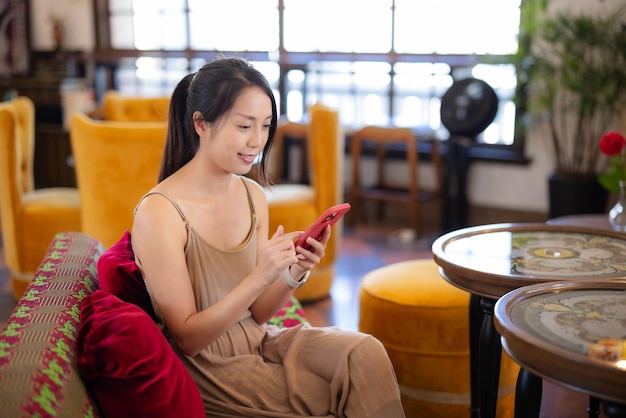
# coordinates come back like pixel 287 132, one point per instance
pixel 201 240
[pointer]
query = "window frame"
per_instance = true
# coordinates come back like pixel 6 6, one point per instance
pixel 106 60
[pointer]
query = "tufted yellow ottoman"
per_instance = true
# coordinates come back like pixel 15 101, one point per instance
pixel 423 321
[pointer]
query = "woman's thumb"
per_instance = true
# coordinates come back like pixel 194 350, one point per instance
pixel 279 231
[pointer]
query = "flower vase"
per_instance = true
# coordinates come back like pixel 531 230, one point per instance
pixel 617 214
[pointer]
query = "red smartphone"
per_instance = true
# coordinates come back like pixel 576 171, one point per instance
pixel 329 217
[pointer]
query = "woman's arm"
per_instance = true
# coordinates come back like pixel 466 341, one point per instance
pixel 276 296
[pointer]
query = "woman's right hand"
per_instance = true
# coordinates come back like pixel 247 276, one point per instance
pixel 277 254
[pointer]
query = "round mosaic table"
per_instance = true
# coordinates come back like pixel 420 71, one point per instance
pixel 573 333
pixel 491 260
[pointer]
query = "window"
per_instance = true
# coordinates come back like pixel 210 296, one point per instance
pixel 376 61
pixel 338 26
pixel 456 26
pixel 233 25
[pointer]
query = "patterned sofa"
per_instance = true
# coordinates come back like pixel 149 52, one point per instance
pixel 38 346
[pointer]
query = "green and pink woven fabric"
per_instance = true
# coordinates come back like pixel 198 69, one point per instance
pixel 38 375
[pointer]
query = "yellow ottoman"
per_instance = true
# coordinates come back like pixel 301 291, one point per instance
pixel 423 322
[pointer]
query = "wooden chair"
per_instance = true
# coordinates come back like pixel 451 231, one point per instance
pixel 30 217
pixel 116 164
pixel 384 138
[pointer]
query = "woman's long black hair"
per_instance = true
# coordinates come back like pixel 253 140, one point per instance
pixel 211 91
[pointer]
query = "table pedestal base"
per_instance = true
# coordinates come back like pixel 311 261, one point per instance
pixel 490 349
pixel 528 394
pixel 485 357
pixel 476 318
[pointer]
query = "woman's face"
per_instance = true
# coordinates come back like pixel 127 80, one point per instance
pixel 238 138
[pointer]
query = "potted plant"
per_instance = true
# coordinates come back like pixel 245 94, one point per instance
pixel 572 69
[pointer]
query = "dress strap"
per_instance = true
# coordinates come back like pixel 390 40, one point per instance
pixel 250 202
pixel 180 212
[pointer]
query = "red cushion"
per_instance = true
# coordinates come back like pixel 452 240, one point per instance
pixel 128 364
pixel 119 275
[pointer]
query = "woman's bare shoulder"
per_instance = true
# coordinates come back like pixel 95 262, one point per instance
pixel 158 208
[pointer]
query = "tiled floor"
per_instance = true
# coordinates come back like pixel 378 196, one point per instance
pixel 365 248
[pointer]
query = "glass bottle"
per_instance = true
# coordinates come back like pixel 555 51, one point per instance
pixel 617 214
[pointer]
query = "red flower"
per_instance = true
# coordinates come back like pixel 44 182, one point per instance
pixel 612 143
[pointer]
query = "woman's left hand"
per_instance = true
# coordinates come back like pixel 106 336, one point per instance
pixel 310 258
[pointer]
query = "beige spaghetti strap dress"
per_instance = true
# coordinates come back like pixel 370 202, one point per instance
pixel 257 370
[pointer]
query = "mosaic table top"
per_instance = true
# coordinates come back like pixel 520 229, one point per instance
pixel 571 332
pixel 494 259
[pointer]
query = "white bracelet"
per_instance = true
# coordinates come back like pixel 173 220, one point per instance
pixel 295 283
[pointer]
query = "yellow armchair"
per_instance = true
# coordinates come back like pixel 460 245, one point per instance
pixel 116 164
pixel 29 217
pixel 297 206
pixel 121 108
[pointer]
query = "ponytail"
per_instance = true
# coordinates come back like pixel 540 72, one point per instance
pixel 182 139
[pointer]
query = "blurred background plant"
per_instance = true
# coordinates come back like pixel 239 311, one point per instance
pixel 572 75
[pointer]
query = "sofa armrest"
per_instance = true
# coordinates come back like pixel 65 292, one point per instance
pixel 38 374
